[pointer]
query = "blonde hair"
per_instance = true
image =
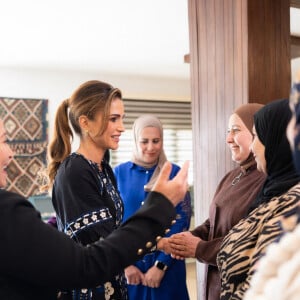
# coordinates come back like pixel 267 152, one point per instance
pixel 88 99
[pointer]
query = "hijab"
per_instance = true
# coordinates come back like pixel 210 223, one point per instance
pixel 295 103
pixel 246 114
pixel 270 124
pixel 139 124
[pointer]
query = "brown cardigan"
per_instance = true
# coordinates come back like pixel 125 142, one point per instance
pixel 229 205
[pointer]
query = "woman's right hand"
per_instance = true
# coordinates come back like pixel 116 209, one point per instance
pixel 134 275
pixel 183 245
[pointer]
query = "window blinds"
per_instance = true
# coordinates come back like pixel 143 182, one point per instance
pixel 176 119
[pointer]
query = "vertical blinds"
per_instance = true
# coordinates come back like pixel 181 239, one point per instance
pixel 176 119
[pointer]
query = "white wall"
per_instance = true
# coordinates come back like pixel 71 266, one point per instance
pixel 59 85
pixel 295 66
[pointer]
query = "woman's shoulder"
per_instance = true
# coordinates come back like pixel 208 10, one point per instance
pixel 74 167
pixel 290 198
pixel 123 169
pixel 9 200
pixel 292 195
pixel 125 165
pixel 279 205
pixel 75 161
pixel 7 195
pixel 295 190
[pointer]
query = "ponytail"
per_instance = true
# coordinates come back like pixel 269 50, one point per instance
pixel 60 147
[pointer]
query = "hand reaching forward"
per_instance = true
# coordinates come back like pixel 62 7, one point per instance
pixel 176 188
pixel 163 245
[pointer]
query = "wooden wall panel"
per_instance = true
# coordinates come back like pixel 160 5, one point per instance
pixel 269 50
pixel 218 58
pixel 233 61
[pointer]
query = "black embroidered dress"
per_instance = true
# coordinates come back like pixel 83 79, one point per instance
pixel 88 208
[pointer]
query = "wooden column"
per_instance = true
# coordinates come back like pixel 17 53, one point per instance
pixel 239 53
pixel 269 50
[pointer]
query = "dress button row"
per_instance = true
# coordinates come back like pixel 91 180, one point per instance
pixel 150 244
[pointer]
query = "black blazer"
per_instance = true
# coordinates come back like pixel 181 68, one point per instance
pixel 36 259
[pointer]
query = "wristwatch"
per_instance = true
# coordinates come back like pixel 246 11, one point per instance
pixel 160 265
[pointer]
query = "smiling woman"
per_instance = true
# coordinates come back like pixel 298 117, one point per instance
pixel 84 194
pixel 157 276
pixel 176 119
pixel 246 242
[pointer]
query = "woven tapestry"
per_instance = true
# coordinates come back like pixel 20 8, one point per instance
pixel 25 121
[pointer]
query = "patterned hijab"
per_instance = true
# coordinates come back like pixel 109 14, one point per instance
pixel 246 114
pixel 295 104
pixel 139 124
pixel 270 124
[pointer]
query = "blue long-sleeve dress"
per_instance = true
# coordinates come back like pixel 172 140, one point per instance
pixel 131 180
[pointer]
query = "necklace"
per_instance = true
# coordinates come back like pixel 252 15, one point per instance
pixel 237 179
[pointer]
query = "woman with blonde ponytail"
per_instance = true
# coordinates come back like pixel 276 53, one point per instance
pixel 84 193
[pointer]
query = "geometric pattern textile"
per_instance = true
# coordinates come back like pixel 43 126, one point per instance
pixel 26 125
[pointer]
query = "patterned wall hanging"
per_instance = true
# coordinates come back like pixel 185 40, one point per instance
pixel 26 124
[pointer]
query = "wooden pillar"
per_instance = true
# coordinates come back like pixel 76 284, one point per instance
pixel 239 53
pixel 269 50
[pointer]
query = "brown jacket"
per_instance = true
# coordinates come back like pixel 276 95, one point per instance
pixel 229 205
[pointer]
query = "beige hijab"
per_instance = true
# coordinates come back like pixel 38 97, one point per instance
pixel 139 124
